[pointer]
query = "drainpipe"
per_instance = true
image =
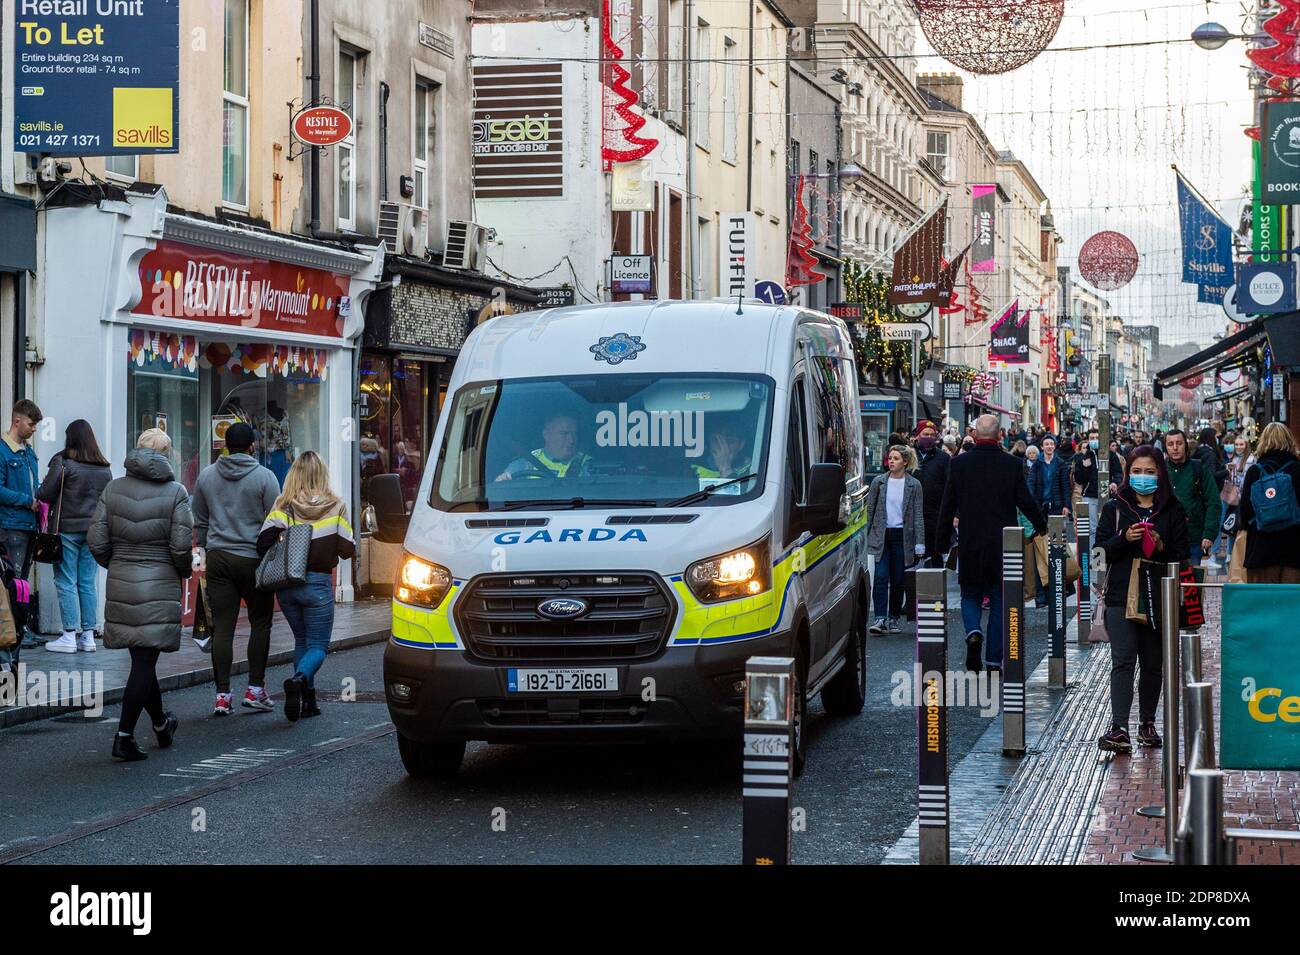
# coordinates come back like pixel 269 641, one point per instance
pixel 692 252
pixel 749 145
pixel 20 334
pixel 383 141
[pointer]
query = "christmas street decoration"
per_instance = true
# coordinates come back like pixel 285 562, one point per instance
pixel 1108 261
pixel 990 36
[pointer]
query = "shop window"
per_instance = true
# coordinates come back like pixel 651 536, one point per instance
pixel 234 137
pixel 345 98
pixel 396 420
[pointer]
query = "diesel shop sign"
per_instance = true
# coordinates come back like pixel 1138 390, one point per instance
pixel 736 254
pixel 1266 288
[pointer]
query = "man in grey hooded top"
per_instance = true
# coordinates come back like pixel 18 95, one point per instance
pixel 231 499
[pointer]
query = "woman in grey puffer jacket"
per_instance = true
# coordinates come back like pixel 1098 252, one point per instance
pixel 142 532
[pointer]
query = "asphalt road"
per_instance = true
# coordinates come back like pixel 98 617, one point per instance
pixel 254 788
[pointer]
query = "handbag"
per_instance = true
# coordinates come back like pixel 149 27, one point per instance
pixel 285 564
pixel 1229 525
pixel 47 547
pixel 202 632
pixel 1138 603
pixel 1237 566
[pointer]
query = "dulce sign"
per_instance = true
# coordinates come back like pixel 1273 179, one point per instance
pixel 203 285
pixel 322 126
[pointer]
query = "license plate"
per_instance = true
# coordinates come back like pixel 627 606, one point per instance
pixel 567 680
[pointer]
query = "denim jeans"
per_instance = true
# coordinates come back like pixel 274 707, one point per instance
pixel 309 609
pixel 74 577
pixel 889 576
pixel 19 546
pixel 972 600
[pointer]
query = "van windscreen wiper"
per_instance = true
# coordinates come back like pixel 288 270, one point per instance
pixel 704 492
pixel 576 503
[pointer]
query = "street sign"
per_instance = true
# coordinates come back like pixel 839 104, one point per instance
pixel 554 297
pixel 770 292
pixel 1230 307
pixel 904 331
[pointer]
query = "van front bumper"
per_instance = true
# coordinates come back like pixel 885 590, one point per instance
pixel 690 692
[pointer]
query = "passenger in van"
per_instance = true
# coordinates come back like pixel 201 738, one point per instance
pixel 726 454
pixel 557 457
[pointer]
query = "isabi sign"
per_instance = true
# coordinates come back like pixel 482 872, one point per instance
pixel 322 126
pixel 203 285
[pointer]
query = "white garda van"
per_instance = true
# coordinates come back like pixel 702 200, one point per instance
pixel 626 502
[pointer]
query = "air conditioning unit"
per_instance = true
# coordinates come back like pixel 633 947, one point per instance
pixel 464 247
pixel 404 229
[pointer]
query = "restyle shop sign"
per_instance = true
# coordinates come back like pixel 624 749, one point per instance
pixel 1265 288
pixel 736 255
pixel 1281 153
pixel 96 77
pixel 322 126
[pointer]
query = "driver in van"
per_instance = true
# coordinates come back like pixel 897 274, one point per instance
pixel 726 448
pixel 557 457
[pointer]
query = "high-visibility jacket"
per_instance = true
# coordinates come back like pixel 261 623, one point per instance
pixel 558 468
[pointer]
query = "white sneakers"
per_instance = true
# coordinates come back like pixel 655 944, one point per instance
pixel 71 642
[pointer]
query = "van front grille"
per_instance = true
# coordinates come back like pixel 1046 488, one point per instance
pixel 628 616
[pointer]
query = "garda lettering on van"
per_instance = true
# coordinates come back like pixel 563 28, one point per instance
pixel 574 534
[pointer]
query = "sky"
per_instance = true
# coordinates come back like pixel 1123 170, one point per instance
pixel 1099 129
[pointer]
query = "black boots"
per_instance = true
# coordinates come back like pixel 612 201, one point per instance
pixel 125 748
pixel 309 707
pixel 168 730
pixel 294 688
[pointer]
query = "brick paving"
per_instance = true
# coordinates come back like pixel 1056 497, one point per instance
pixel 1253 799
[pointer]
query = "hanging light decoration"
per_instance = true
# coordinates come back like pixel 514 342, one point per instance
pixel 1108 261
pixel 989 36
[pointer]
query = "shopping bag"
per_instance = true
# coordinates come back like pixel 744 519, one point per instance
pixel 1142 597
pixel 1260 672
pixel 8 625
pixel 202 632
pixel 1237 566
pixel 1072 571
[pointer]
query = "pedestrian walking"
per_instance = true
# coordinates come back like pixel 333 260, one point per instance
pixel 1197 492
pixel 1051 480
pixel 1210 454
pixel 143 533
pixel 77 477
pixel 309 606
pixel 1084 471
pixel 932 471
pixel 18 505
pixel 986 486
pixel 231 500
pixel 1269 511
pixel 1242 459
pixel 1144 520
pixel 895 535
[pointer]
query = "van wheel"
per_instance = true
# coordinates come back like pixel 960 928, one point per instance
pixel 430 760
pixel 800 710
pixel 846 693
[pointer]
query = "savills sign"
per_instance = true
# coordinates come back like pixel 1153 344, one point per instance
pixel 736 255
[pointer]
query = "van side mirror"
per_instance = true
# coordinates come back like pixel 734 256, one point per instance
pixel 385 493
pixel 826 487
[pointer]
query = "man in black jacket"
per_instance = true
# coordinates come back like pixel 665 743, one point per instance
pixel 1083 469
pixel 986 486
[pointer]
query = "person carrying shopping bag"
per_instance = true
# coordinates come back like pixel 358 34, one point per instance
pixel 1269 511
pixel 308 607
pixel 895 535
pixel 77 477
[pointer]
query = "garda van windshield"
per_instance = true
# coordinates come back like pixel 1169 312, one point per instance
pixel 604 441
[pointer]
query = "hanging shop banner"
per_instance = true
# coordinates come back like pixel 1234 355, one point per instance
pixel 1207 244
pixel 631 275
pixel 1266 288
pixel 1280 140
pixel 519 131
pixel 948 278
pixel 203 285
pixel 88 83
pixel 631 187
pixel 1268 221
pixel 1010 342
pixel 983 254
pixel 1260 674
pixel 917 263
pixel 737 255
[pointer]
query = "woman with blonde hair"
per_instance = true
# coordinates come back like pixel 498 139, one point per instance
pixel 142 532
pixel 1272 550
pixel 309 606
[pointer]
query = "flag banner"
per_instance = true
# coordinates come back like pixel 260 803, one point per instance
pixel 1010 342
pixel 1207 241
pixel 916 263
pixel 983 254
pixel 1213 294
pixel 1260 674
pixel 948 279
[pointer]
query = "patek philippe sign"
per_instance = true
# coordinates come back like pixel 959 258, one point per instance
pixel 1280 136
pixel 736 255
pixel 1266 288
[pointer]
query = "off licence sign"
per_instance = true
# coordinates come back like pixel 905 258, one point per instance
pixel 322 126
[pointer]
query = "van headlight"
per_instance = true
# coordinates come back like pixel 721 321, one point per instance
pixel 740 573
pixel 421 582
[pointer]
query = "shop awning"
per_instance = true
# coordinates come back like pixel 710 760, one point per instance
pixel 990 406
pixel 1226 353
pixel 1226 395
pixel 891 397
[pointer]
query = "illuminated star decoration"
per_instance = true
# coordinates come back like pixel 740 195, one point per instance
pixel 616 77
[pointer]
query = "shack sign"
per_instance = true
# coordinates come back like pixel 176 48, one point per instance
pixel 322 126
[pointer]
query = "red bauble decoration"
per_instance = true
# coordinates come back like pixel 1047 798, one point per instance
pixel 1108 261
pixel 218 353
pixel 1194 382
pixel 990 36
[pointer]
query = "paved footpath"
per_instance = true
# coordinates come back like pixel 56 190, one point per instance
pixel 1252 799
pixel 55 683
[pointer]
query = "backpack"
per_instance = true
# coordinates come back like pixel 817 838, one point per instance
pixel 1273 498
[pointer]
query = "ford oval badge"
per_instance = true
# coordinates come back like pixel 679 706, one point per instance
pixel 562 608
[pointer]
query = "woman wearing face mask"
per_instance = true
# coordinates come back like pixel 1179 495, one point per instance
pixel 1143 521
pixel 1239 462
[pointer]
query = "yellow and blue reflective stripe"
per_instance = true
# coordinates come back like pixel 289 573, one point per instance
pixel 426 629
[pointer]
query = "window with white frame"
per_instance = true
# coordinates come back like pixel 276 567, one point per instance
pixel 936 151
pixel 424 127
pixel 702 61
pixel 234 107
pixel 123 167
pixel 730 94
pixel 345 153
